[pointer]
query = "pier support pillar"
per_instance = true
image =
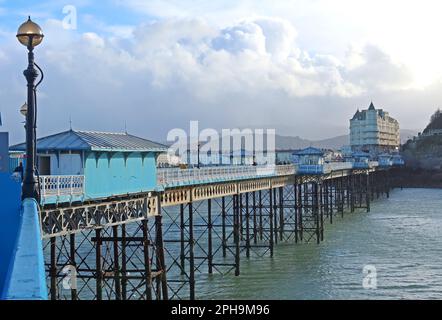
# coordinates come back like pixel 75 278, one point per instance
pixel 73 263
pixel 247 217
pixel 261 225
pixel 161 263
pixel 53 270
pixel 281 214
pixel 271 213
pixel 147 264
pixel 223 227
pixel 99 272
pixel 367 191
pixel 209 237
pixel 255 226
pixel 182 226
pixel 296 208
pixel 236 233
pixel 191 254
pixel 117 278
pixel 275 216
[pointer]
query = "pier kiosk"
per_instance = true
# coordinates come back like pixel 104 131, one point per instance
pixel 81 165
pixel 310 161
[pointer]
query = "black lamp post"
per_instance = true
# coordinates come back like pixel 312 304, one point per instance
pixel 30 35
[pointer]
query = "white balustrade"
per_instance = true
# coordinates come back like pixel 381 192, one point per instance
pixel 335 166
pixel 177 176
pixel 373 164
pixel 61 186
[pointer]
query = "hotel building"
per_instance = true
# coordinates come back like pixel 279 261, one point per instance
pixel 373 130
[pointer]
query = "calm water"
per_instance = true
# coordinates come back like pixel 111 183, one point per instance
pixel 401 237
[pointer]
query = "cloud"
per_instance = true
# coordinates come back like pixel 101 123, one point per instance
pixel 372 68
pixel 168 72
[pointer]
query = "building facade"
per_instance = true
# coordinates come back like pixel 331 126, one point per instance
pixel 374 130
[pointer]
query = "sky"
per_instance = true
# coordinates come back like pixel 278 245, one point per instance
pixel 302 67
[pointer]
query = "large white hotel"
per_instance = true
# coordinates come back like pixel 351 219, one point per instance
pixel 374 130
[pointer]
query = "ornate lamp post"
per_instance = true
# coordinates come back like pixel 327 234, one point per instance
pixel 30 35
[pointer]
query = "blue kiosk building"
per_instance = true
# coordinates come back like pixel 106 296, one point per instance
pixel 81 165
pixel 310 161
pixel 361 160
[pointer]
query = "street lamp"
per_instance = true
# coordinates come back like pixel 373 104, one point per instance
pixel 24 109
pixel 30 35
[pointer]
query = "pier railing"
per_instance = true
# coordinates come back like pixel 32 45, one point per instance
pixel 74 185
pixel 178 177
pixel 61 186
pixel 334 166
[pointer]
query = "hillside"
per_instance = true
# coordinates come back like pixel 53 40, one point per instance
pixel 425 151
pixel 285 142
pixel 435 122
pixel 296 142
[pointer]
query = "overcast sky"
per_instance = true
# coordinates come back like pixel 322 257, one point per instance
pixel 300 66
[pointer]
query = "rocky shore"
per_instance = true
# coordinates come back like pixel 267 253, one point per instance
pixel 416 178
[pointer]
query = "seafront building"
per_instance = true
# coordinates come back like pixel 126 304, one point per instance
pixel 374 130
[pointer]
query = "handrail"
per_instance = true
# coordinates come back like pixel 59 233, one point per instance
pixel 26 277
pixel 177 176
pixel 62 185
pixel 335 166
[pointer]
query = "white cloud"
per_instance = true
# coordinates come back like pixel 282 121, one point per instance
pixel 372 68
pixel 404 28
pixel 253 72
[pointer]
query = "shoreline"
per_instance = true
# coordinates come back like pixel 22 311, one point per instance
pixel 416 178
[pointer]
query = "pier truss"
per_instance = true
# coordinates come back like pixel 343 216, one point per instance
pixel 157 245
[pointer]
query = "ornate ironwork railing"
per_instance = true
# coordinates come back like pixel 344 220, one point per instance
pixel 180 177
pixel 61 186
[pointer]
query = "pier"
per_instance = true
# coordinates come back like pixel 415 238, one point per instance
pixel 154 245
pixel 115 226
pixel 288 161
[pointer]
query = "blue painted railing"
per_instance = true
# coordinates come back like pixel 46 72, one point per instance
pixel 25 278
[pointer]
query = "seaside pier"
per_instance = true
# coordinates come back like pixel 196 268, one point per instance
pixel 155 245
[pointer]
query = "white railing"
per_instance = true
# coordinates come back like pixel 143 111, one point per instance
pixel 61 186
pixel 176 176
pixel 335 166
pixel 286 170
pixel 373 164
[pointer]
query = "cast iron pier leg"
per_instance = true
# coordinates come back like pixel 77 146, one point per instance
pixel 281 214
pixel 223 226
pixel 116 264
pixel 147 265
pixel 191 254
pixel 53 268
pixel 182 241
pixel 271 221
pixel 99 274
pixel 236 231
pixel 209 240
pixel 247 216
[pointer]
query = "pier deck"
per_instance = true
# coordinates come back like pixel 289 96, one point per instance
pixel 151 245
